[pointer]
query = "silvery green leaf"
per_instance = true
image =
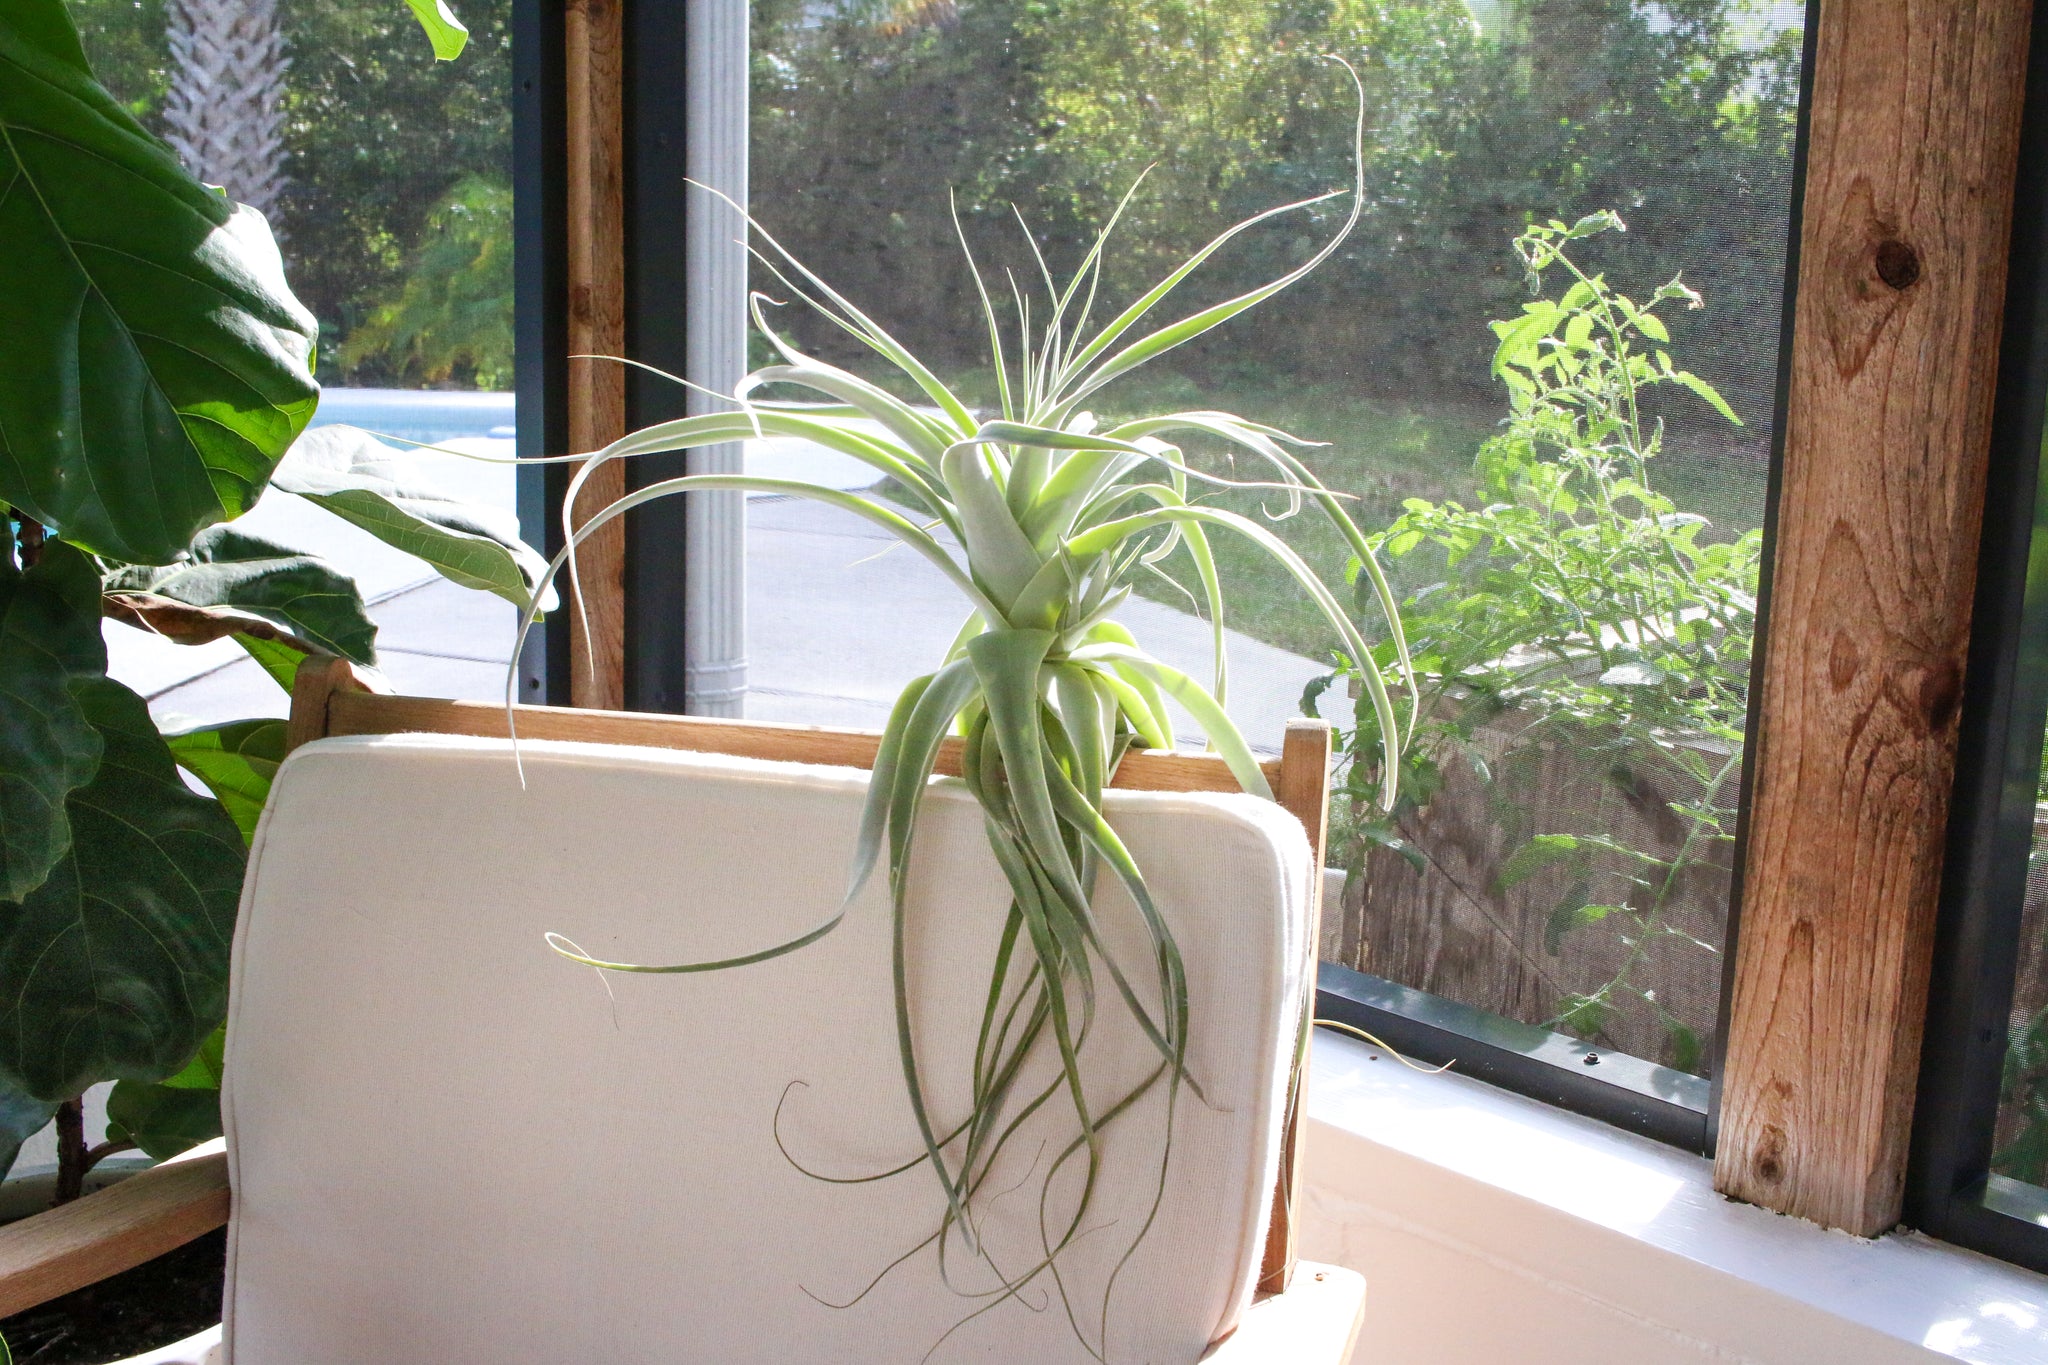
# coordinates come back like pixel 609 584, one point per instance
pixel 239 577
pixel 380 489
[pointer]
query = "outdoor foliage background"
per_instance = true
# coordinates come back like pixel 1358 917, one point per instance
pixel 1677 114
pixel 875 121
pixel 381 144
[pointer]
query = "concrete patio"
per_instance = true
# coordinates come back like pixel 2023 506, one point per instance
pixel 838 620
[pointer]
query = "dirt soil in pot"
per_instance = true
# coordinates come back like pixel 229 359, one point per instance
pixel 155 1304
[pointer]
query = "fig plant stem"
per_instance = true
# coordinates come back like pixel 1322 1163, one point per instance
pixel 72 1155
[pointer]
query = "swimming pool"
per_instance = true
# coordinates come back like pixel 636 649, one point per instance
pixel 418 414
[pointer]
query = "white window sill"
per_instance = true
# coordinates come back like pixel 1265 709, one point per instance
pixel 1493 1229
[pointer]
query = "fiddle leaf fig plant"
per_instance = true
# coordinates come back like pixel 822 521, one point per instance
pixel 157 363
pixel 117 964
pixel 157 377
pixel 372 486
pixel 49 648
pixel 1042 518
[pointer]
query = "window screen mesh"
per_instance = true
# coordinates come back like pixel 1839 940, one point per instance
pixel 1563 848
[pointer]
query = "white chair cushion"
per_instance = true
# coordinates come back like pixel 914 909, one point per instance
pixel 449 1144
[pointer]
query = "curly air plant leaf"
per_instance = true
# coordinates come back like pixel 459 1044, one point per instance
pixel 448 34
pixel 1054 520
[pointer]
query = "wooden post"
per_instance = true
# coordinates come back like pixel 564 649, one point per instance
pixel 1914 135
pixel 1304 789
pixel 597 326
pixel 318 678
pixel 117 1229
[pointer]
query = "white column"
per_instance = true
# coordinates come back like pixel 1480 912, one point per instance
pixel 715 621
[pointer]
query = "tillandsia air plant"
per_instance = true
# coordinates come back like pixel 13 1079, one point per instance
pixel 1054 517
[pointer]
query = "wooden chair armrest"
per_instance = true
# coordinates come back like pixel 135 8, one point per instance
pixel 1315 1322
pixel 113 1230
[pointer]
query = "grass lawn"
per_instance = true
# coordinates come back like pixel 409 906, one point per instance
pixel 1381 453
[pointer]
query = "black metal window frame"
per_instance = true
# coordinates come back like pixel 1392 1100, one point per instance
pixel 1628 1092
pixel 1951 1191
pixel 540 310
pixel 657 308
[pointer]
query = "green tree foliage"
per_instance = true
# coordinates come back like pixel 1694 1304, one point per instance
pixel 125 39
pixel 1582 610
pixel 378 139
pixel 378 136
pixel 1674 113
pixel 863 125
pixel 867 114
pixel 452 318
pixel 1233 106
pixel 2023 1101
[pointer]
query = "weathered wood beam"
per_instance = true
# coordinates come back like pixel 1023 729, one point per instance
pixel 116 1229
pixel 1302 785
pixel 1914 121
pixel 597 326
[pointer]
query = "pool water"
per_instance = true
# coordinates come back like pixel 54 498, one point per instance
pixel 418 414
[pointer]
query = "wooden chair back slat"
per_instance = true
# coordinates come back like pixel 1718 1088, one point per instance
pixel 330 697
pixel 366 713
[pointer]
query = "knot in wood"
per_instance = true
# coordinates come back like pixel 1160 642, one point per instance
pixel 1770 1155
pixel 1845 661
pixel 1941 694
pixel 1898 264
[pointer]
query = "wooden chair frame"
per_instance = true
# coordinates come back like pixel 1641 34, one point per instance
pixel 157 1210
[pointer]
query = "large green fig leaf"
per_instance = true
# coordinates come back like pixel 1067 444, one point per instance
pixel 116 967
pixel 174 1114
pixel 237 577
pixel 236 761
pixel 157 365
pixel 279 661
pixel 22 1116
pixel 49 639
pixel 162 1120
pixel 361 480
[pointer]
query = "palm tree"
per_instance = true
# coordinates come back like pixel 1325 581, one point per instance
pixel 221 114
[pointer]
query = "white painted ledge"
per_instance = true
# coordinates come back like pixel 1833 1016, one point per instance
pixel 1495 1229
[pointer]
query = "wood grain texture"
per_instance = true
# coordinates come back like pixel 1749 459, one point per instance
pixel 1315 1322
pixel 1915 117
pixel 116 1229
pixel 1303 787
pixel 318 679
pixel 596 250
pixel 360 713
